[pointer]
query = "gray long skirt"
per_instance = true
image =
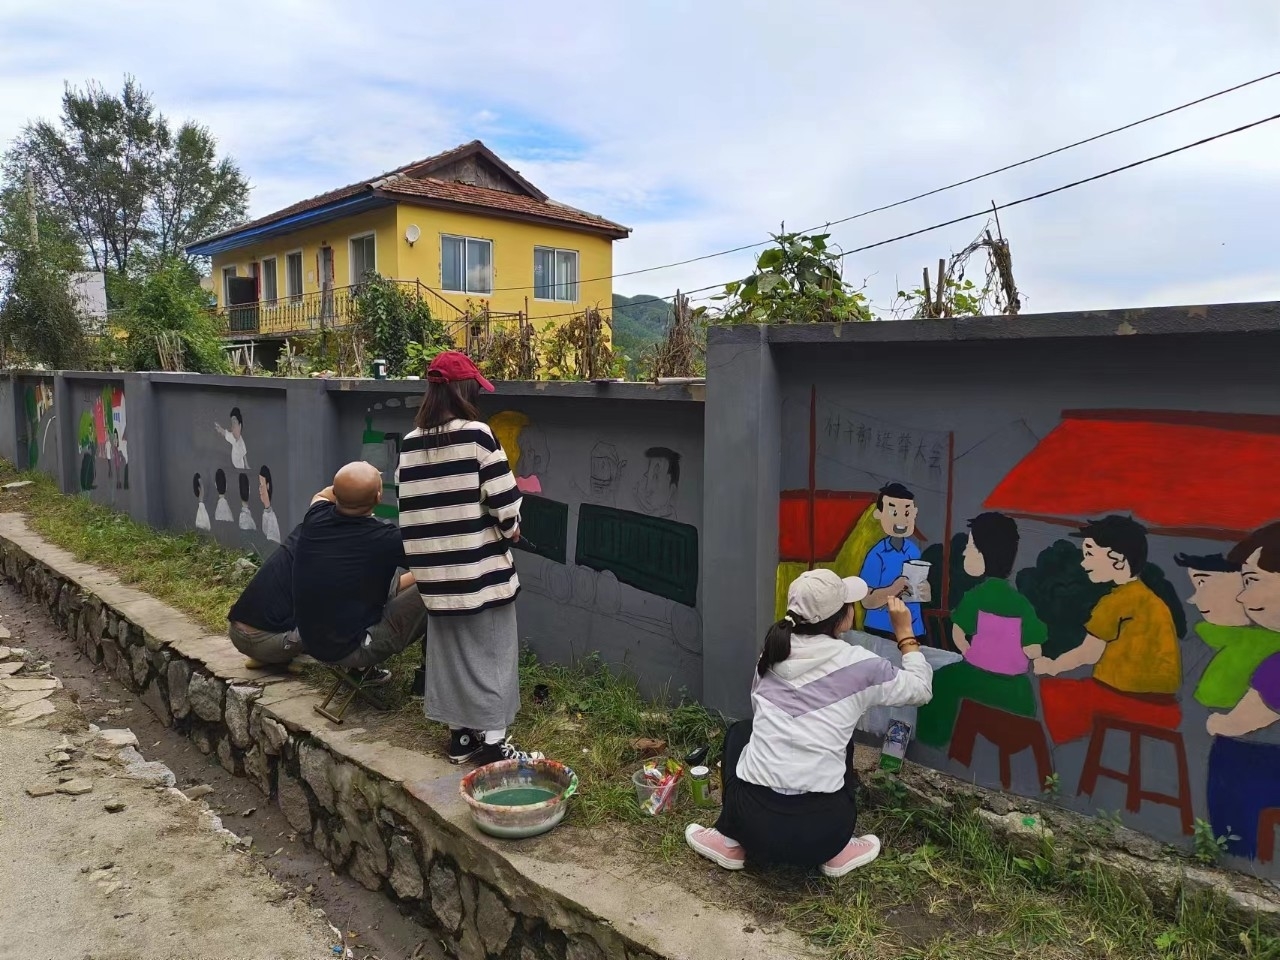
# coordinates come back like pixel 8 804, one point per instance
pixel 473 669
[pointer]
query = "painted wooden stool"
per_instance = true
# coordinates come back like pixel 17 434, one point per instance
pixel 1093 768
pixel 1268 821
pixel 1010 733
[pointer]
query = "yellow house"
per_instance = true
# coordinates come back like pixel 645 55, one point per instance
pixel 461 229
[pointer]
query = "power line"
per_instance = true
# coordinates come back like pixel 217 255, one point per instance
pixel 981 213
pixel 933 192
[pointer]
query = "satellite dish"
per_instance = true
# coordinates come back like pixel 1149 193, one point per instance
pixel 412 233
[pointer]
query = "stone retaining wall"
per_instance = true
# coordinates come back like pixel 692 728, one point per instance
pixel 366 823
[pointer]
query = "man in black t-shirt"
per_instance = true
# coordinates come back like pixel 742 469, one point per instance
pixel 352 607
pixel 261 623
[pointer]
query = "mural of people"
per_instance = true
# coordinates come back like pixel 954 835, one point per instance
pixel 88 447
pixel 657 490
pixel 202 514
pixel 222 512
pixel 996 630
pixel 235 437
pixel 534 459
pixel 37 401
pixel 270 525
pixel 1244 761
pixel 1238 643
pixel 1131 641
pixel 882 569
pixel 120 441
pixel 246 518
pixel 606 472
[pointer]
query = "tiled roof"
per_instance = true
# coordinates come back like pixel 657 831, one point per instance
pixel 409 180
pixel 453 192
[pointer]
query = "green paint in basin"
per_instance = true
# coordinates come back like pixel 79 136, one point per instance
pixel 518 796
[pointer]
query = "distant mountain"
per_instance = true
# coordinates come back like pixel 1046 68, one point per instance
pixel 638 323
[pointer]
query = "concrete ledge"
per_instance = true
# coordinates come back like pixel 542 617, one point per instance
pixel 389 817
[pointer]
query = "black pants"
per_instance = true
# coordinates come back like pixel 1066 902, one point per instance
pixel 776 830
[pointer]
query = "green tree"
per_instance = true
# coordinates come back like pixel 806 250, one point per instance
pixel 798 281
pixel 168 304
pixel 389 320
pixel 40 320
pixel 131 187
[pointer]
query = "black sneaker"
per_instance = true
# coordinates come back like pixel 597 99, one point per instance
pixel 463 745
pixel 369 677
pixel 497 752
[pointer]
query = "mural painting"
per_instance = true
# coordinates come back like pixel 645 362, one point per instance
pixel 1075 660
pixel 37 400
pixel 246 518
pixel 102 437
pixel 222 513
pixel 202 512
pixel 235 437
pixel 1244 760
pixel 658 490
pixel 270 524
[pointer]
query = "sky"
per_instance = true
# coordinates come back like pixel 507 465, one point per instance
pixel 707 125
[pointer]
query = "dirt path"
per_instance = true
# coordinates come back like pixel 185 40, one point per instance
pixel 174 887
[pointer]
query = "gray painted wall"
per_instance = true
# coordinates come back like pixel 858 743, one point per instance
pixel 951 409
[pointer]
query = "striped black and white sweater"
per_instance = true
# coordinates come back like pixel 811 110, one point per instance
pixel 458 506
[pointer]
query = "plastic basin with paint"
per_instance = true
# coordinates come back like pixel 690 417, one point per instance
pixel 519 798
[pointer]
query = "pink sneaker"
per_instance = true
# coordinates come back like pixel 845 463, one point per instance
pixel 711 844
pixel 858 852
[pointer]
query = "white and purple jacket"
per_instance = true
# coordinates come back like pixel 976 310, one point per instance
pixel 806 708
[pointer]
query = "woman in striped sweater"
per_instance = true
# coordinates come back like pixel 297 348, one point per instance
pixel 459 509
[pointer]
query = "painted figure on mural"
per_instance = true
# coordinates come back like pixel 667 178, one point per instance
pixel 235 437
pixel 270 525
pixel 1131 642
pixel 38 401
pixel 1239 644
pixel 606 472
pixel 202 514
pixel 119 438
pixel 222 512
pixel 246 518
pixel 657 490
pixel 88 447
pixel 1244 762
pixel 883 568
pixel 533 461
pixel 995 629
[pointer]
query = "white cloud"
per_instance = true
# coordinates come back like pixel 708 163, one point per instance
pixel 705 125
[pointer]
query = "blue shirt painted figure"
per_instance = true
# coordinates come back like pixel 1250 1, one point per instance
pixel 883 566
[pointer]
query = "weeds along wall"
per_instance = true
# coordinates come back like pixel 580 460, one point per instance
pixel 611 477
pixel 1085 506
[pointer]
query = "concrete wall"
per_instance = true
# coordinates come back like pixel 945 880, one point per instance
pixel 1166 418
pixel 239 459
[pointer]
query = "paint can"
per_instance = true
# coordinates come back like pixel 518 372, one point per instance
pixel 379 369
pixel 894 750
pixel 700 787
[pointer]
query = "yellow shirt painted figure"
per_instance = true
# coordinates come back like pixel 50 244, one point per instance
pixel 1142 654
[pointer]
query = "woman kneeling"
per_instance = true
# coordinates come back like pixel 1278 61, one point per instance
pixel 789 785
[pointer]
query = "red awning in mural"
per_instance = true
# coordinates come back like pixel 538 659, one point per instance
pixel 1195 474
pixel 834 516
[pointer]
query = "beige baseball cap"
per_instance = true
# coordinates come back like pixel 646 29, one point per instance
pixel 817 595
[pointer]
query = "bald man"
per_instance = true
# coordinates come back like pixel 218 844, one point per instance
pixel 352 606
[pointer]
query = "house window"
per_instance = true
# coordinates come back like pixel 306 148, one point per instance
pixel 363 259
pixel 268 289
pixel 293 275
pixel 228 274
pixel 555 274
pixel 466 265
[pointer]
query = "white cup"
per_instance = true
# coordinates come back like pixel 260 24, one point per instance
pixel 917 573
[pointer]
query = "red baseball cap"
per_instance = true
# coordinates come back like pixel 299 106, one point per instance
pixel 452 366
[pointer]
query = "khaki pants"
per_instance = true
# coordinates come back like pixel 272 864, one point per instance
pixel 265 647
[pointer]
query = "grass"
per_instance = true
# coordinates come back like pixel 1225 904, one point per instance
pixel 945 888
